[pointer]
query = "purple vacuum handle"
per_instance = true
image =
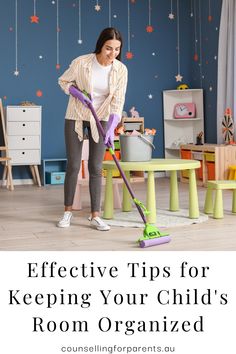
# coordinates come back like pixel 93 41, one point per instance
pixel 109 145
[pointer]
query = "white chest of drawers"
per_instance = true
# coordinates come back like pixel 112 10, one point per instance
pixel 24 135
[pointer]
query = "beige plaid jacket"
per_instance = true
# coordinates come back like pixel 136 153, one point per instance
pixel 79 73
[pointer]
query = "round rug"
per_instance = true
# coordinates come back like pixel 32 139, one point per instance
pixel 165 218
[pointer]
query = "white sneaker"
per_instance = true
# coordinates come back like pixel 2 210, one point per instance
pixel 65 220
pixel 99 224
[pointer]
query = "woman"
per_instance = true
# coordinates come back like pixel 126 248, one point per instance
pixel 103 76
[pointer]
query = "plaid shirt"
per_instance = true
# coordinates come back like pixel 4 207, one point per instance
pixel 79 73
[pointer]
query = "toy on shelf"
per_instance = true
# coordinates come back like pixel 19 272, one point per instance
pixel 178 142
pixel 199 138
pixel 185 110
pixel 150 131
pixel 182 87
pixel 134 113
pixel 132 123
pixel 228 127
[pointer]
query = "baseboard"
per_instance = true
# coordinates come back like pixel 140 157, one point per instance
pixel 18 182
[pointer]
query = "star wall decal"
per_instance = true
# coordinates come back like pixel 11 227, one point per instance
pixel 39 93
pixel 34 19
pixel 171 16
pixel 149 29
pixel 97 7
pixel 179 78
pixel 129 55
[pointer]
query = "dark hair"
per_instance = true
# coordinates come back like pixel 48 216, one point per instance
pixel 106 35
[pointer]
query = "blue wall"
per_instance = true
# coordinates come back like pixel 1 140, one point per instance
pixel 151 70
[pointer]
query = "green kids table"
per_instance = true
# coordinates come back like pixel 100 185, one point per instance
pixel 171 165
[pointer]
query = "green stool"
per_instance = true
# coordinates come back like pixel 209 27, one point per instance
pixel 218 186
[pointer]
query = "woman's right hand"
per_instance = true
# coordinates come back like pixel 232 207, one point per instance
pixel 75 92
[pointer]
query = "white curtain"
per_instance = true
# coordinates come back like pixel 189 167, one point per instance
pixel 226 86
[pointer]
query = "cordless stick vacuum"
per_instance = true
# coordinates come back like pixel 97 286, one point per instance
pixel 151 235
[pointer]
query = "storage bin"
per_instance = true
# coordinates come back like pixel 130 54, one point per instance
pixel 55 177
pixel 136 148
pixel 186 154
pixel 115 173
pixel 199 172
pixel 184 174
pixel 210 170
pixel 197 155
pixel 108 156
pixel 209 156
pixel 117 144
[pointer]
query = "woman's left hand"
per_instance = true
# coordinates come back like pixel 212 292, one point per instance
pixel 112 124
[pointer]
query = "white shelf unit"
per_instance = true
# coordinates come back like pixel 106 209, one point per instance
pixel 185 130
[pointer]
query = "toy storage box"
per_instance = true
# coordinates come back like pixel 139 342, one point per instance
pixel 55 177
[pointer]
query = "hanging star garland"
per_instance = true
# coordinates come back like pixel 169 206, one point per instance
pixel 178 77
pixel 129 54
pixel 209 11
pixel 16 72
pixel 149 28
pixel 195 57
pixel 34 18
pixel 97 7
pixel 39 93
pixel 80 39
pixel 200 41
pixel 58 38
pixel 191 9
pixel 171 14
pixel 109 13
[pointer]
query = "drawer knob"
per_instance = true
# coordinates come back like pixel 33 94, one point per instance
pixel 23 138
pixel 23 124
pixel 23 152
pixel 58 178
pixel 23 110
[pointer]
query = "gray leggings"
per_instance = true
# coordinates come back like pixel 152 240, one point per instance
pixel 74 152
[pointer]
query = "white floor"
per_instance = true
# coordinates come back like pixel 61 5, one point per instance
pixel 28 217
